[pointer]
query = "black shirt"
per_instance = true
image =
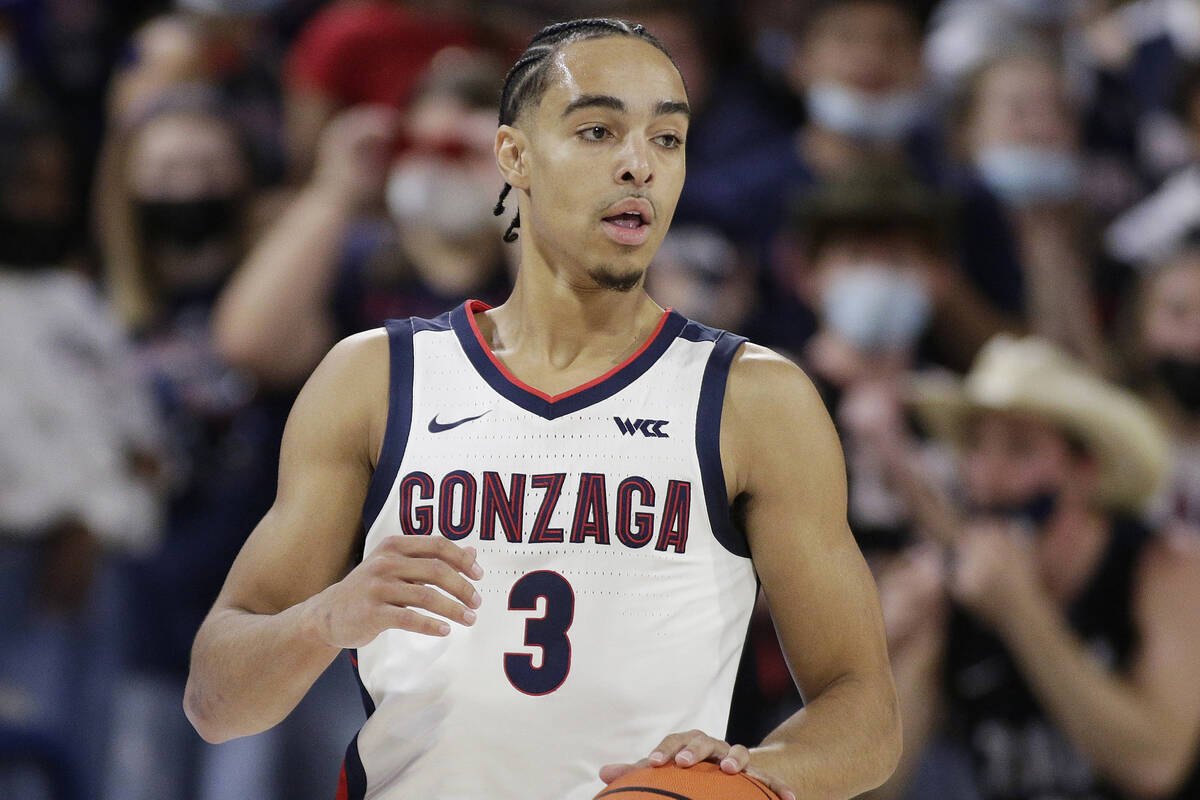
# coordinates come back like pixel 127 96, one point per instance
pixel 1017 751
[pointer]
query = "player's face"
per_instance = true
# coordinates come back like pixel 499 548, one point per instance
pixel 605 160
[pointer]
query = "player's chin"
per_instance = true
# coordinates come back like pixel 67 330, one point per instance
pixel 617 278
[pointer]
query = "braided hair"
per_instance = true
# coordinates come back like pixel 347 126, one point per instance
pixel 529 77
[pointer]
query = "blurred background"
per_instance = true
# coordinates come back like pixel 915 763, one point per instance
pixel 974 223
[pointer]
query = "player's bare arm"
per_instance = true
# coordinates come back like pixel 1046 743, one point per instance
pixel 783 457
pixel 783 460
pixel 292 600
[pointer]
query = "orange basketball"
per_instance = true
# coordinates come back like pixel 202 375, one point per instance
pixel 704 781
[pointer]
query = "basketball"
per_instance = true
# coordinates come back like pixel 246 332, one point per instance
pixel 704 781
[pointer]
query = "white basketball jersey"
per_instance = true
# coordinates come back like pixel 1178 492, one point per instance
pixel 616 594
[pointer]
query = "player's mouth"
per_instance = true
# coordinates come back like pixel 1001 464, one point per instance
pixel 628 222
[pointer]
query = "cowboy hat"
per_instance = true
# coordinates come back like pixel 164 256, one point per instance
pixel 1032 376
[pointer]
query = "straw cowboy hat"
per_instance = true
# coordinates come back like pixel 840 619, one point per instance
pixel 1032 376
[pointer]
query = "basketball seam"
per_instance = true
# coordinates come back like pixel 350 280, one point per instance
pixel 649 789
pixel 757 785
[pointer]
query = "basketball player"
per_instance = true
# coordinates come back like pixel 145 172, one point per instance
pixel 540 526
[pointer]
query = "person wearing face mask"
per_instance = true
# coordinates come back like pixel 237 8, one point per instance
pixel 1162 363
pixel 855 68
pixel 177 228
pixel 348 267
pixel 1020 138
pixel 1043 630
pixel 873 256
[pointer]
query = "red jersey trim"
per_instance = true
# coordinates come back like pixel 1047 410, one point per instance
pixel 474 306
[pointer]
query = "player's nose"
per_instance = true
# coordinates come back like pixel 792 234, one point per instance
pixel 633 163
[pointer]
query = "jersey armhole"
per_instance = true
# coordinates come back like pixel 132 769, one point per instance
pixel 399 419
pixel 708 443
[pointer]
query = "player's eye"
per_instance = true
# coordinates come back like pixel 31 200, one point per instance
pixel 669 141
pixel 595 133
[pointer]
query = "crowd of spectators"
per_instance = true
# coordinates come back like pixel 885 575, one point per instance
pixel 974 223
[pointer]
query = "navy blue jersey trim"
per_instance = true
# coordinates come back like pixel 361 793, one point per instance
pixel 356 774
pixel 439 323
pixel 368 703
pixel 699 332
pixel 708 441
pixel 571 402
pixel 395 437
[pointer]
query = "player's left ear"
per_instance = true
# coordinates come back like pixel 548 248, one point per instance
pixel 510 156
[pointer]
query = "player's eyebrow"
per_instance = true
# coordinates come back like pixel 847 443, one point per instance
pixel 666 107
pixel 594 101
pixel 661 109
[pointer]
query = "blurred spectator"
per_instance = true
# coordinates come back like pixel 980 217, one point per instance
pixel 857 65
pixel 359 52
pixel 1049 632
pixel 1020 136
pixel 1163 364
pixel 1135 50
pixel 326 270
pixel 965 34
pixel 1158 225
pixel 875 261
pixel 231 46
pixel 700 274
pixel 185 195
pixel 881 280
pixel 79 456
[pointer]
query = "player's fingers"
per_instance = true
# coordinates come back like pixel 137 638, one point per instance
pixel 774 784
pixel 440 574
pixel 423 596
pixel 700 747
pixel 736 760
pixel 408 620
pixel 461 558
pixel 670 746
pixel 610 772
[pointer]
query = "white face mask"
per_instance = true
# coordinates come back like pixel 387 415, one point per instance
pixel 875 118
pixel 439 197
pixel 1023 175
pixel 877 308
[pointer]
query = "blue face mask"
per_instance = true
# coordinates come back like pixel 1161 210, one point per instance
pixel 872 118
pixel 877 308
pixel 1023 175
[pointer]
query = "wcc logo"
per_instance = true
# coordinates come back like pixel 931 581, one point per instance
pixel 649 427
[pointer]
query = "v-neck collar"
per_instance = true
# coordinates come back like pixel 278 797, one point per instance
pixel 490 368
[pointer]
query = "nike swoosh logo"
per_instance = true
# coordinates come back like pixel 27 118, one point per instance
pixel 438 427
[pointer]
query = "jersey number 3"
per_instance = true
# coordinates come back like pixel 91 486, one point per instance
pixel 549 632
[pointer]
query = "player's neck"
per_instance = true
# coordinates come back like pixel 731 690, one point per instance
pixel 549 326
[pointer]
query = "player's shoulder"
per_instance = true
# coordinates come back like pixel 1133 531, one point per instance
pixel 360 354
pixel 764 385
pixel 351 375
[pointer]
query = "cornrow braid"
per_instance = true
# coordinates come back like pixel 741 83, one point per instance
pixel 529 77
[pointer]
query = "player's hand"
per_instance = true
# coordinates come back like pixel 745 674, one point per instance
pixel 692 747
pixel 401 579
